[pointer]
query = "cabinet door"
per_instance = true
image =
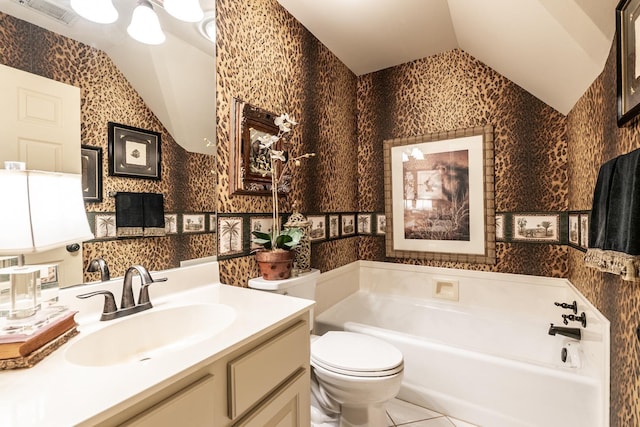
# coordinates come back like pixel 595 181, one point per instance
pixel 289 406
pixel 192 406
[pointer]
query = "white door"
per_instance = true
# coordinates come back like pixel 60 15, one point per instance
pixel 40 125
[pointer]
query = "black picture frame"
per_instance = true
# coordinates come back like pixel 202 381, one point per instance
pixel 627 57
pixel 91 163
pixel 134 152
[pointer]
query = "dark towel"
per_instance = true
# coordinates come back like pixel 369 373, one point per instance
pixel 153 207
pixel 139 214
pixel 129 215
pixel 614 229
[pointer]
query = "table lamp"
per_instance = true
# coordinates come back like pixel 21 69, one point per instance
pixel 39 211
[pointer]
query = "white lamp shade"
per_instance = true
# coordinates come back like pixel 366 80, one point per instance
pixel 184 10
pixel 40 211
pixel 100 11
pixel 145 26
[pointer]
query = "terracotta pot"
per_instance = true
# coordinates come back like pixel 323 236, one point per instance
pixel 275 265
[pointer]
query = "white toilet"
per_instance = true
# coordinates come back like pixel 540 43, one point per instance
pixel 359 372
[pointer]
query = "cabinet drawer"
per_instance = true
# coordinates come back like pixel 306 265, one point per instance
pixel 259 371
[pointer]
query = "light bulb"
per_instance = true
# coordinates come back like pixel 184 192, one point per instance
pixel 184 10
pixel 145 26
pixel 100 11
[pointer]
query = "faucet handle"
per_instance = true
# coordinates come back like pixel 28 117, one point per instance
pixel 143 297
pixel 573 306
pixel 109 309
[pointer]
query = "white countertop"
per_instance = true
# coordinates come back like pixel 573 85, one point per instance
pixel 57 392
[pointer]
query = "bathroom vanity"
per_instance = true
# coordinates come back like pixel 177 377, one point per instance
pixel 205 354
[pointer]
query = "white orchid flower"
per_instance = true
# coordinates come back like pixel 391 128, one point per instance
pixel 278 155
pixel 266 141
pixel 285 123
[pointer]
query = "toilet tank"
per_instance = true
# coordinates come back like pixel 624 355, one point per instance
pixel 301 286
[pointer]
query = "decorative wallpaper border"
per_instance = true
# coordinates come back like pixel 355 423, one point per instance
pixel 103 224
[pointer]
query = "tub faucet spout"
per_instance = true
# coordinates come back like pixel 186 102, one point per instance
pixel 567 332
pixel 99 264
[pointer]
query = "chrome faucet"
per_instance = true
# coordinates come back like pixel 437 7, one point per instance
pixel 567 332
pixel 127 303
pixel 99 264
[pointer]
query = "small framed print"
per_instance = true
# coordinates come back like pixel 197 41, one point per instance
pixel 536 228
pixel 134 152
pixel 574 229
pixel 500 227
pixel 193 223
pixel 348 225
pixel 584 231
pixel 212 223
pixel 229 235
pixel 262 224
pixel 364 223
pixel 171 223
pixel 334 226
pixel 317 229
pixel 105 226
pixel 381 224
pixel 91 163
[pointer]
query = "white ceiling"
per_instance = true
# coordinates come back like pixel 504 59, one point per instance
pixel 176 79
pixel 554 49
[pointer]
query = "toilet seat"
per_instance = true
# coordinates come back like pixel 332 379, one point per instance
pixel 356 355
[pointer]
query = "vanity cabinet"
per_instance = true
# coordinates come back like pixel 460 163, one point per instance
pixel 265 381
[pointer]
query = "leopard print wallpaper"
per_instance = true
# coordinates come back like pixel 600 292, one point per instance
pixel 107 96
pixel 594 138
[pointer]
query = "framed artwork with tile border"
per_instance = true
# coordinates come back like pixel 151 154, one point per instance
pixel 536 228
pixel 230 235
pixel 348 224
pixel 364 223
pixel 584 231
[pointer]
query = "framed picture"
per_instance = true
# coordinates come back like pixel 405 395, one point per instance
pixel 334 226
pixel 171 223
pixel 574 229
pixel 193 223
pixel 133 152
pixel 364 223
pixel 628 60
pixel 381 224
pixel 91 163
pixel 584 231
pixel 439 196
pixel 317 229
pixel 348 225
pixel 229 235
pixel 500 227
pixel 536 228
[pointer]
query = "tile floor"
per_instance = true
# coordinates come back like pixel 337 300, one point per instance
pixel 404 414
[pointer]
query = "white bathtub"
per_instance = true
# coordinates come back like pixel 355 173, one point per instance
pixel 490 368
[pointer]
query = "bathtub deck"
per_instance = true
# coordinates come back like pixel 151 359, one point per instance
pixel 404 414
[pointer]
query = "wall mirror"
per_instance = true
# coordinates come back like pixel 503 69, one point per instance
pixel 176 81
pixel 250 165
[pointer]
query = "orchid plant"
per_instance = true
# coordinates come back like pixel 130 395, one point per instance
pixel 280 163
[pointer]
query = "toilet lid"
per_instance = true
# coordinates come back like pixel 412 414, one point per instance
pixel 355 354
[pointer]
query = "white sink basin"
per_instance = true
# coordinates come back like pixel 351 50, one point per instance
pixel 150 334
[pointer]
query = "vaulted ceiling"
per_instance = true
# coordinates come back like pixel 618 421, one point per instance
pixel 554 49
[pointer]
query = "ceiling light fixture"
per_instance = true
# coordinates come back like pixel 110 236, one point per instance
pixel 207 26
pixel 100 11
pixel 145 25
